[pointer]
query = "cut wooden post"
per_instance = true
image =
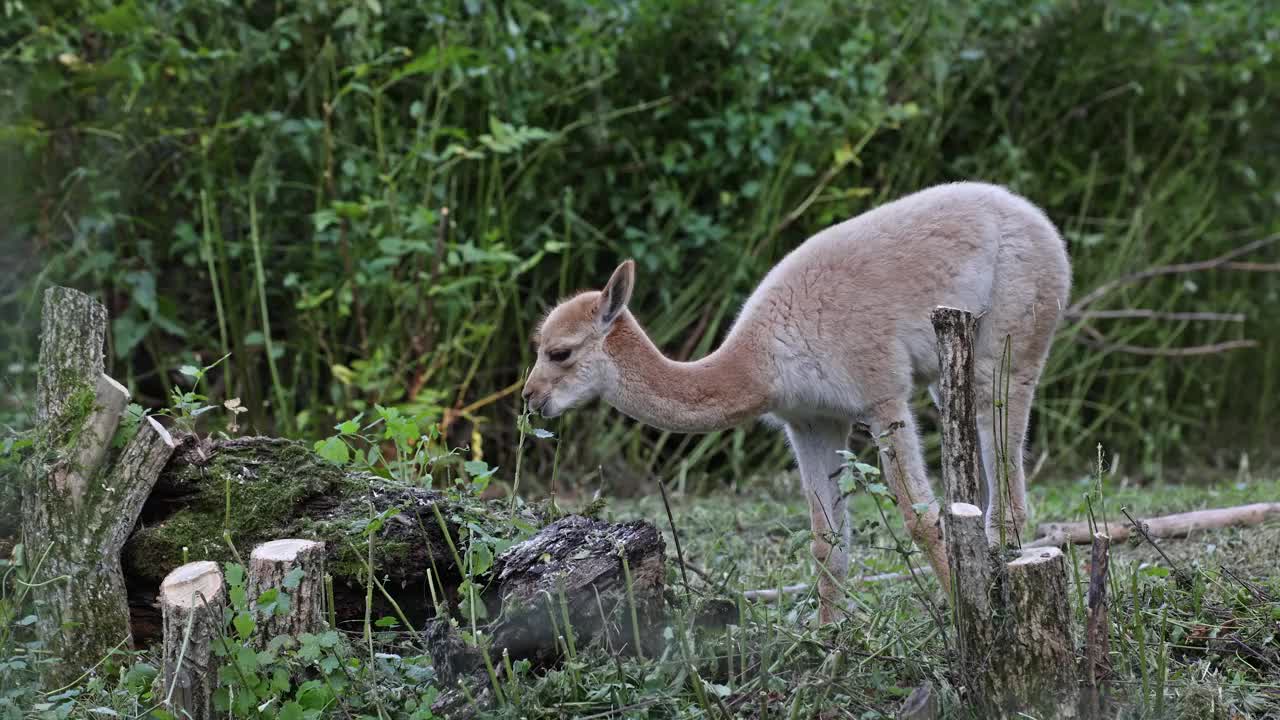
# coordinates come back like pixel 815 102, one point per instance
pixel 956 330
pixel 1097 644
pixel 192 600
pixel 76 511
pixel 295 568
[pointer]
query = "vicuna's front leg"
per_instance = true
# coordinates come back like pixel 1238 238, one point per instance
pixel 816 444
pixel 903 467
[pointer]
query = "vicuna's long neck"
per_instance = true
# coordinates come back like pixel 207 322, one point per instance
pixel 717 392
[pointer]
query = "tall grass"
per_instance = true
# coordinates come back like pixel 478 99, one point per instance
pixel 271 181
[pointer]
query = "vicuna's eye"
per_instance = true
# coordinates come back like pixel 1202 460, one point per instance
pixel 558 355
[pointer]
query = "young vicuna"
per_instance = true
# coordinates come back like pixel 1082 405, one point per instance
pixel 837 333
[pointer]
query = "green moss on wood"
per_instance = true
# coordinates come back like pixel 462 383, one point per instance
pixel 279 488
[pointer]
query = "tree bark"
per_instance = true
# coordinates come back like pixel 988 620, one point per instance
pixel 78 508
pixel 273 565
pixel 192 599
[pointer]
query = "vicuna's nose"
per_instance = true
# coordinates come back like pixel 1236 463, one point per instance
pixel 527 391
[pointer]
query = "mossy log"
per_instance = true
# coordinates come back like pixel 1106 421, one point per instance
pixel 260 489
pixel 280 489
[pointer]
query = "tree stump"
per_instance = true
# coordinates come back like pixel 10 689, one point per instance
pixel 77 507
pixel 1033 669
pixel 192 599
pixel 978 592
pixel 295 568
pixel 955 330
pixel 1013 624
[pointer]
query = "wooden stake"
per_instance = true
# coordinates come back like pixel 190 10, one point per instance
pixel 956 330
pixel 1097 642
pixel 977 586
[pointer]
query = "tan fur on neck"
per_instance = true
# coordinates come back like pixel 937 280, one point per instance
pixel 717 392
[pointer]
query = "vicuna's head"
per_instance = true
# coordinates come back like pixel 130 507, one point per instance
pixel 572 367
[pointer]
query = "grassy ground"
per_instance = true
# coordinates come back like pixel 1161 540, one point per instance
pixel 1203 649
pixel 1200 647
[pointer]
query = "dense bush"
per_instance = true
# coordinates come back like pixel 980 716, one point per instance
pixel 266 179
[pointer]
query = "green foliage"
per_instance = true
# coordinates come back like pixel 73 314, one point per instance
pixel 272 184
pixel 312 675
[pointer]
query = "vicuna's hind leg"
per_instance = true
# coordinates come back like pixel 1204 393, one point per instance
pixel 902 463
pixel 1025 333
pixel 816 443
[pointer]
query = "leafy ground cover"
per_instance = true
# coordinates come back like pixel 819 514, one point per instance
pixel 1194 628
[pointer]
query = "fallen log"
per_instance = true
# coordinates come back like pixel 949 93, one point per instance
pixel 576 582
pixel 279 488
pixel 1164 526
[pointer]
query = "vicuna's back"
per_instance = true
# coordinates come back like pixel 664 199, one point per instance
pixel 868 284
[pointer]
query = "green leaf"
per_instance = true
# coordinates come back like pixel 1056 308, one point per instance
pixel 386 622
pixel 280 680
pixel 481 559
pixel 349 17
pixel 314 695
pixel 478 469
pixel 290 711
pixel 191 371
pixel 244 625
pixel 234 573
pixel 877 489
pixel 293 578
pixel 542 433
pixel 122 19
pixel 868 470
pixel 334 450
pixel 138 678
pixel 247 659
pixel 128 331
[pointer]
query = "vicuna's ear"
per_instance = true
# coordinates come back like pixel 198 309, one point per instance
pixel 616 295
